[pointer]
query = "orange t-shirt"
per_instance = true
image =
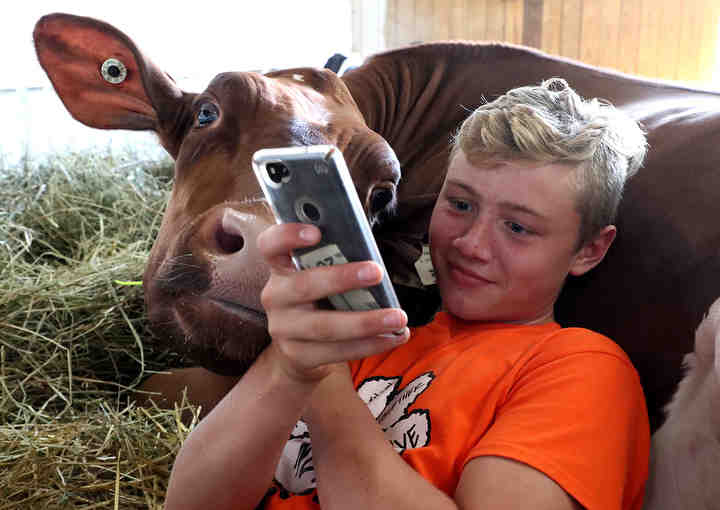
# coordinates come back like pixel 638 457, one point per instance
pixel 566 401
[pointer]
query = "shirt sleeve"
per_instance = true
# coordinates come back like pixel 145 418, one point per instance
pixel 581 419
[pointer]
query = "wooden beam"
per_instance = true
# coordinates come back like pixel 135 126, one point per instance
pixel 424 20
pixel 458 20
pixel 477 20
pixel 533 23
pixel 571 37
pixel 514 14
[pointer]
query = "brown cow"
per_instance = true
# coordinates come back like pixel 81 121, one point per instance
pixel 660 276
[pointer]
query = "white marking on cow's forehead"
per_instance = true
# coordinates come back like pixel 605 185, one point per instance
pixel 309 134
pixel 298 77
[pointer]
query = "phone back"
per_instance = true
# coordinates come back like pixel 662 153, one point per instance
pixel 311 184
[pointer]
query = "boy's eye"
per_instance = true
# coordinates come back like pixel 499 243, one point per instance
pixel 460 205
pixel 516 228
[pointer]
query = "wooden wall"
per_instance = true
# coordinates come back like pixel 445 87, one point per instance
pixel 670 39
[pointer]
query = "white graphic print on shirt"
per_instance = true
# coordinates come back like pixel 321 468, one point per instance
pixel 295 472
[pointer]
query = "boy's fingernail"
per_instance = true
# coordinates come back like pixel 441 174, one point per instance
pixel 308 234
pixel 367 273
pixel 393 320
pixel 402 336
pixel 398 337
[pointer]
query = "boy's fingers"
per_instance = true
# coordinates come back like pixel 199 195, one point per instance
pixel 277 241
pixel 310 355
pixel 301 287
pixel 317 354
pixel 330 326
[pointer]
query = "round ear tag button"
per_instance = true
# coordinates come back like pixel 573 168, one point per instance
pixel 113 71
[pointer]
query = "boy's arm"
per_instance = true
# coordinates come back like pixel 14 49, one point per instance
pixel 356 466
pixel 230 458
pixel 496 482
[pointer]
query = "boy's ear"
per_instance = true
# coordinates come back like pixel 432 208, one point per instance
pixel 592 252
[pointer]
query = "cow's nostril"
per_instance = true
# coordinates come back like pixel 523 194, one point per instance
pixel 229 243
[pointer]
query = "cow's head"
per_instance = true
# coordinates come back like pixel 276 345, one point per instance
pixel 202 283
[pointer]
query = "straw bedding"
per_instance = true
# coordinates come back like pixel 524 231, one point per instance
pixel 74 342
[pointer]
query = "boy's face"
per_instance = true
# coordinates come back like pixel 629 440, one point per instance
pixel 503 238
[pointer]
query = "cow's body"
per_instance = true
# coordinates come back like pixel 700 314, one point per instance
pixel 202 284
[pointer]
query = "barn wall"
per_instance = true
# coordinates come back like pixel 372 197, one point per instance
pixel 656 38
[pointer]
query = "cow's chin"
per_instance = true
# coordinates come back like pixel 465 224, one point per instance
pixel 224 337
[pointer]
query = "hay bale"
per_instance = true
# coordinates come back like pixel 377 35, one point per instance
pixel 74 341
pixel 102 458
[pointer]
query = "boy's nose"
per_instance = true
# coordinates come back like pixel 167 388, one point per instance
pixel 476 242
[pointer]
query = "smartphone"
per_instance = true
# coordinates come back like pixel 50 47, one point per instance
pixel 311 184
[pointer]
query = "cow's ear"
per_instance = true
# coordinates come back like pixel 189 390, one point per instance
pixel 102 78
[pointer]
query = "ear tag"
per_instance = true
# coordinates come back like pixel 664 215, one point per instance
pixel 113 71
pixel 424 267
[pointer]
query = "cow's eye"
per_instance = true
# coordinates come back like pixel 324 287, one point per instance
pixel 207 114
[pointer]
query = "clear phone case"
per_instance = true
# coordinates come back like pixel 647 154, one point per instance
pixel 311 184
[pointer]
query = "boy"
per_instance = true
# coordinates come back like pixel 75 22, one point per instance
pixel 493 404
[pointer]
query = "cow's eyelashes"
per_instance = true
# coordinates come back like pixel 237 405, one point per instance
pixel 207 114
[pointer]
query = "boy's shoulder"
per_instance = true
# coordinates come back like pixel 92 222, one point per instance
pixel 547 341
pixel 584 346
pixel 583 339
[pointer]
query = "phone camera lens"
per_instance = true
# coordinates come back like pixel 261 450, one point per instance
pixel 278 172
pixel 311 212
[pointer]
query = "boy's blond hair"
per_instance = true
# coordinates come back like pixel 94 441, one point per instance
pixel 552 123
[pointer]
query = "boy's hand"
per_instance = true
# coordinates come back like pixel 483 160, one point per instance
pixel 306 341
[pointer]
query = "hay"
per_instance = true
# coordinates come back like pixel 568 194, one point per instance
pixel 74 342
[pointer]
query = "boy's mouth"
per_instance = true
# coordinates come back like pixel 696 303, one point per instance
pixel 465 277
